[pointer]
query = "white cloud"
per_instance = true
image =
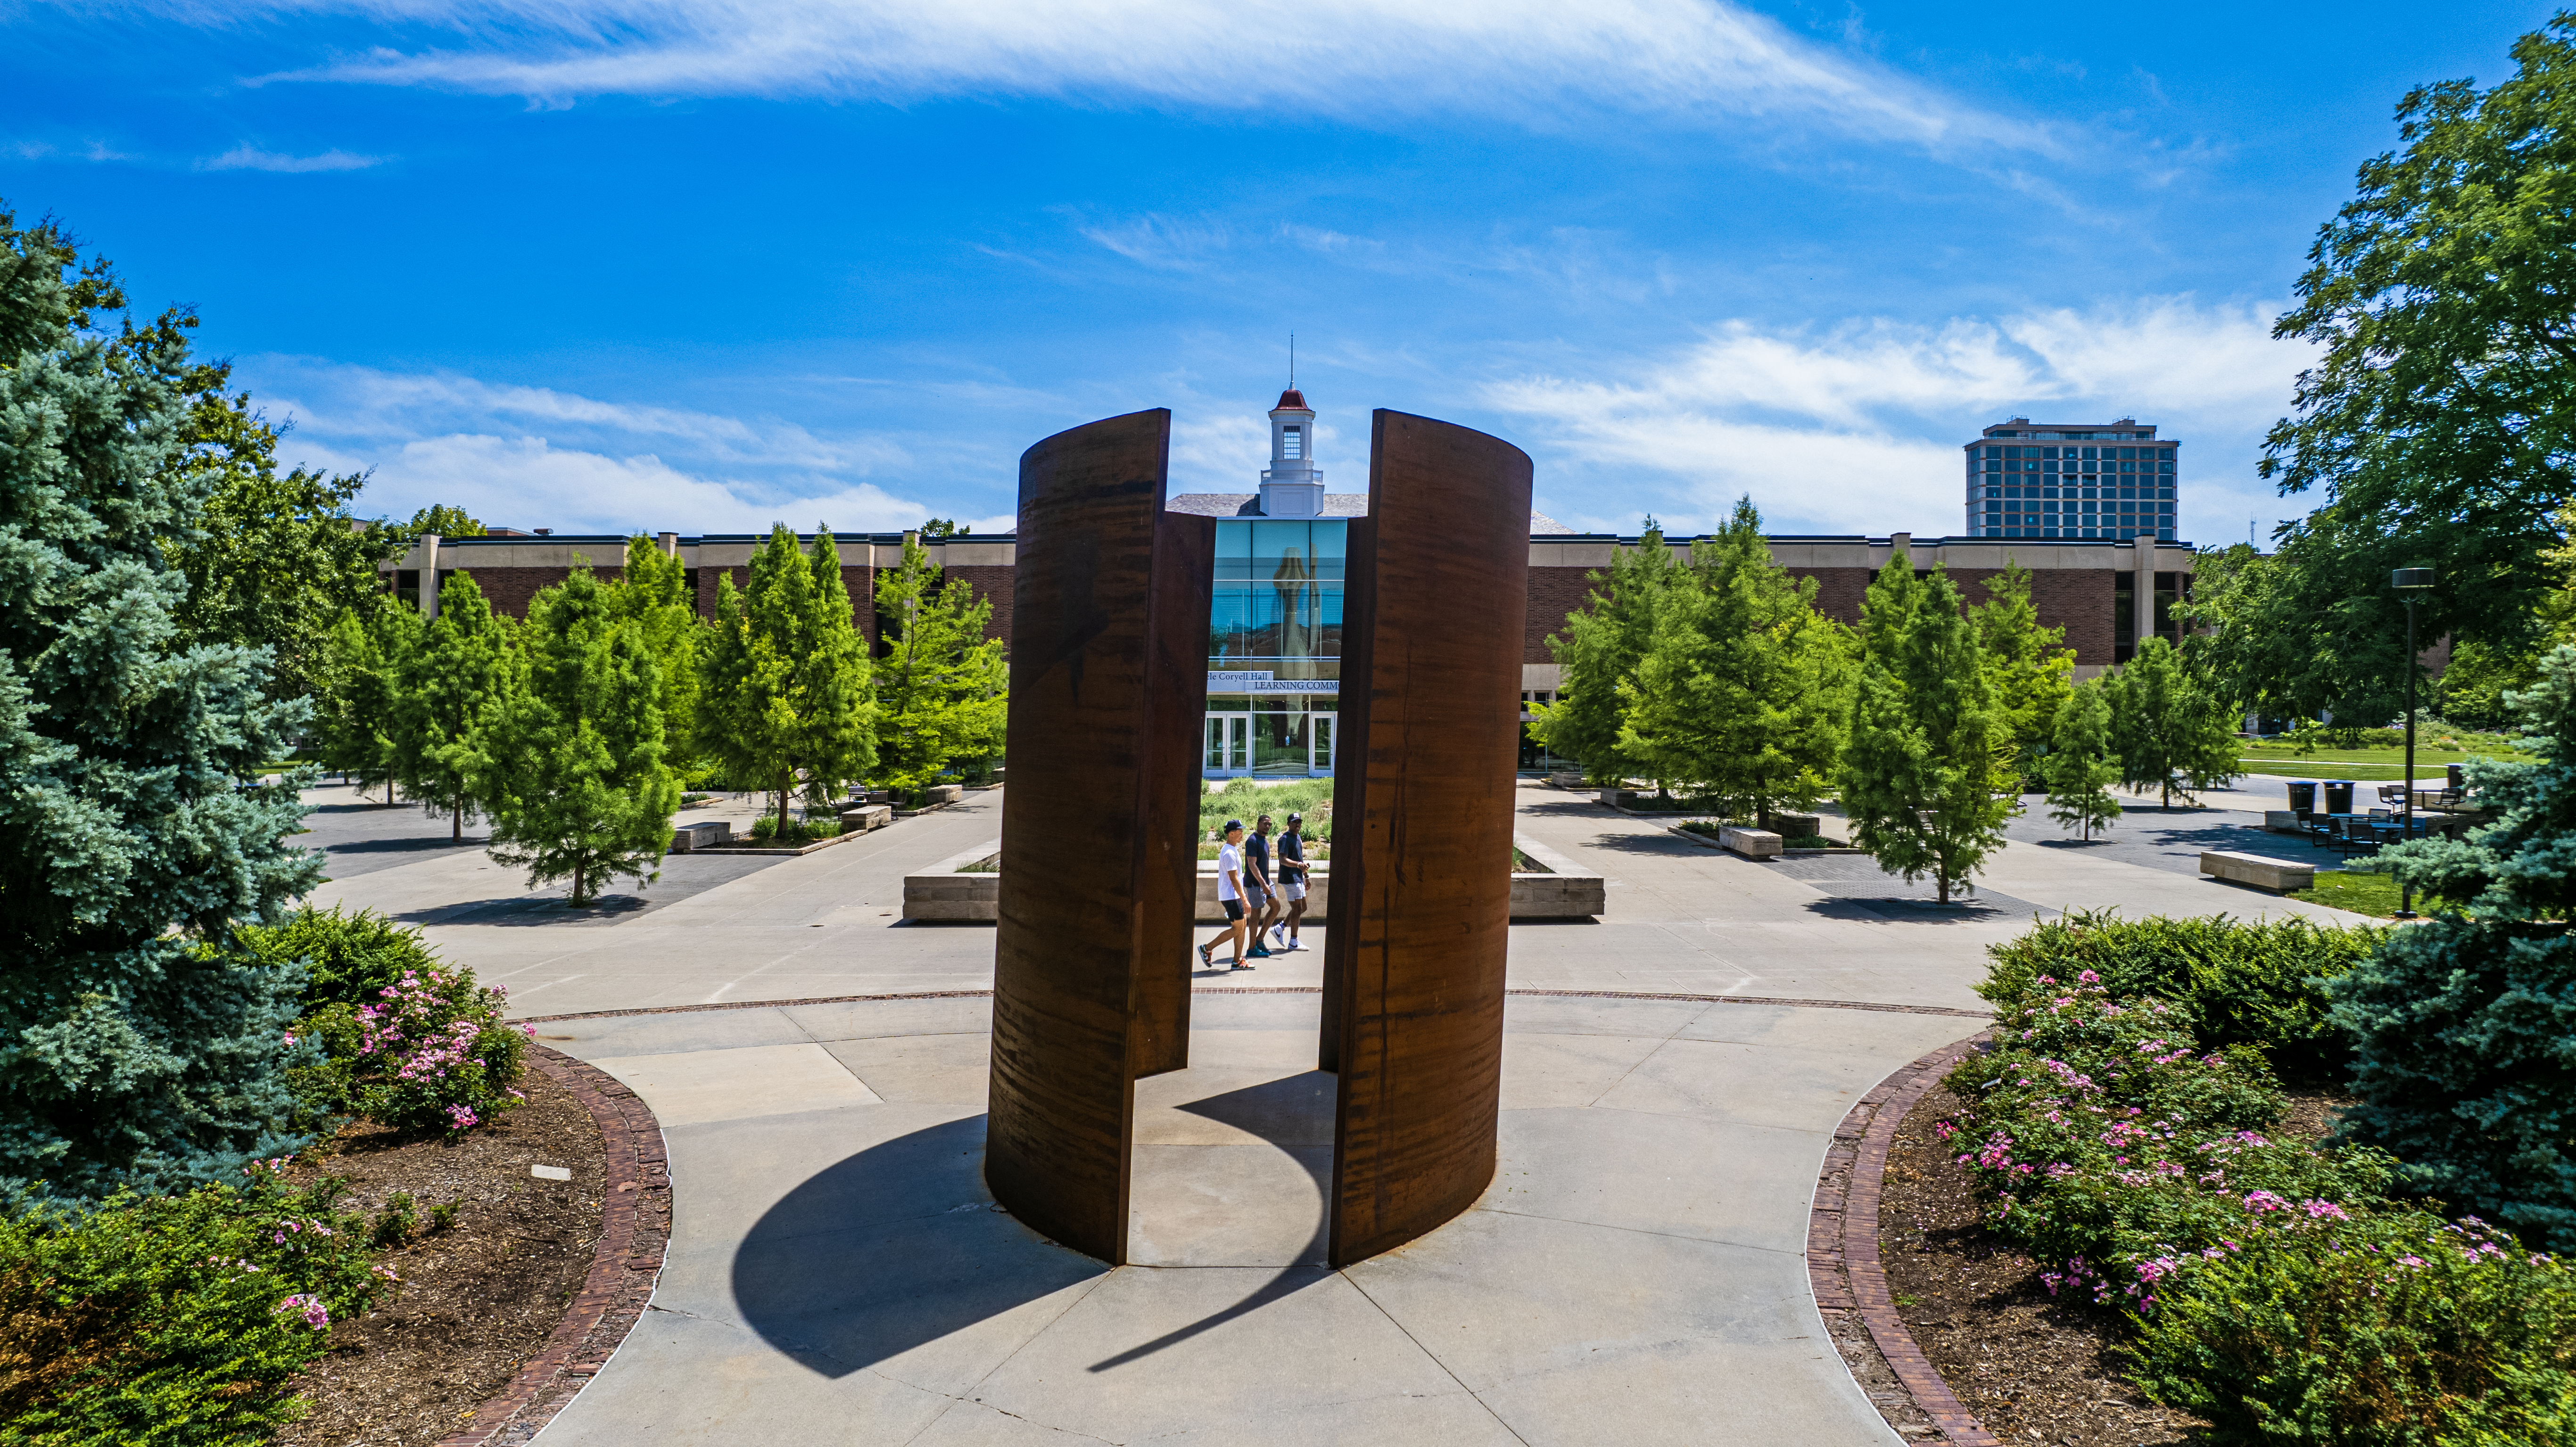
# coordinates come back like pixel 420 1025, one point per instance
pixel 1692 60
pixel 247 157
pixel 536 457
pixel 1857 428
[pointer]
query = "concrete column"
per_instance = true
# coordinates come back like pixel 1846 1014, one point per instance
pixel 670 544
pixel 1900 543
pixel 428 576
pixel 2142 593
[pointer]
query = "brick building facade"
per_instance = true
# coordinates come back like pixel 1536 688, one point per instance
pixel 2091 589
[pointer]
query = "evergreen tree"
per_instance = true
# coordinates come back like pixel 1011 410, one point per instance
pixel 1600 649
pixel 138 1045
pixel 361 662
pixel 2080 764
pixel 1743 690
pixel 2461 1025
pixel 1929 756
pixel 577 786
pixel 786 676
pixel 654 595
pixel 2027 664
pixel 2170 733
pixel 445 687
pixel 943 688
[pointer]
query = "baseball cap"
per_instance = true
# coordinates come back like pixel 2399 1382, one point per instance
pixel 1230 826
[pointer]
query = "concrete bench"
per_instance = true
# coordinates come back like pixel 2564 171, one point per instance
pixel 864 817
pixel 1751 843
pixel 2283 821
pixel 1797 826
pixel 704 834
pixel 943 793
pixel 2277 875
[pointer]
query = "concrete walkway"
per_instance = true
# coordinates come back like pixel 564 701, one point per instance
pixel 1635 1274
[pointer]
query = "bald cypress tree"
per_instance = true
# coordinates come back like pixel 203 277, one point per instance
pixel 575 748
pixel 786 701
pixel 138 1045
pixel 445 689
pixel 1930 752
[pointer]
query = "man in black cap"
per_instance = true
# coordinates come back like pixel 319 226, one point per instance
pixel 1292 881
pixel 1229 896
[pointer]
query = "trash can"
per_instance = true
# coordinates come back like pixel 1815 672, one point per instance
pixel 2455 778
pixel 2339 796
pixel 2303 797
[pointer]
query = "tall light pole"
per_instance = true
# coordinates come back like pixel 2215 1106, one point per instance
pixel 2408 582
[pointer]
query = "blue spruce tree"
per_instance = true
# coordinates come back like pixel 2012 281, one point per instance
pixel 2464 1026
pixel 136 1046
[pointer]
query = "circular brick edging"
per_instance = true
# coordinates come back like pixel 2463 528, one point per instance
pixel 1842 1240
pixel 634 1230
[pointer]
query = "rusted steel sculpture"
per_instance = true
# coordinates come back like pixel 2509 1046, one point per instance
pixel 1422 829
pixel 1099 825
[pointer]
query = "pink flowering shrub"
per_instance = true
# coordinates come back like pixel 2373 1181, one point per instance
pixel 177 1318
pixel 2368 1329
pixel 2112 1147
pixel 391 1032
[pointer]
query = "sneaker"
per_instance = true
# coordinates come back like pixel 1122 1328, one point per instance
pixel 1279 932
pixel 1259 952
pixel 1294 945
pixel 1207 956
pixel 1241 965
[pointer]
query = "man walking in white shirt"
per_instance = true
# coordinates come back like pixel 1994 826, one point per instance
pixel 1229 896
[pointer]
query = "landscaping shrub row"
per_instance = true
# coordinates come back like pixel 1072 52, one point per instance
pixel 2283 1291
pixel 181 1318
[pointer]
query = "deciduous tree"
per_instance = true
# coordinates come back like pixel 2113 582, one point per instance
pixel 943 688
pixel 786 676
pixel 577 786
pixel 445 688
pixel 1930 757
pixel 654 595
pixel 1743 691
pixel 1599 649
pixel 2171 734
pixel 361 662
pixel 2080 764
pixel 2027 663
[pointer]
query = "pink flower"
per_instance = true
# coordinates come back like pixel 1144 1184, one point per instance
pixel 2325 1210
pixel 2265 1201
pixel 2088 978
pixel 310 1307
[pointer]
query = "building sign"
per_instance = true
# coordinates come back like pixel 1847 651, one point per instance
pixel 1261 681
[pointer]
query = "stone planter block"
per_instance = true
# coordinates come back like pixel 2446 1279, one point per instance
pixel 1751 843
pixel 2277 875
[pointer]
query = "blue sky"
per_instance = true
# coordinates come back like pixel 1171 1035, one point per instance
pixel 603 265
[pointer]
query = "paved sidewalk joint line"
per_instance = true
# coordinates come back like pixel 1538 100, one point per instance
pixel 1271 990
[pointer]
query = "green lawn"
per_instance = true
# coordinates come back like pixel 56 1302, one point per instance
pixel 2369 765
pixel 2371 894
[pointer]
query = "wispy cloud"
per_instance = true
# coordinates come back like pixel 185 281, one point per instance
pixel 540 457
pixel 247 157
pixel 1857 428
pixel 1696 61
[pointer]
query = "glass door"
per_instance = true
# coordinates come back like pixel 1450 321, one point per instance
pixel 1229 744
pixel 1320 735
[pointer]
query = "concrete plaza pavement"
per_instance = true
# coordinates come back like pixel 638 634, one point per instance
pixel 1635 1273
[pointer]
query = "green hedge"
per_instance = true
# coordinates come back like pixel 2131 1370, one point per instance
pixel 2237 982
pixel 2384 1330
pixel 173 1319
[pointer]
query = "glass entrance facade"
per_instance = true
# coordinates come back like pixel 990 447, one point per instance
pixel 1275 647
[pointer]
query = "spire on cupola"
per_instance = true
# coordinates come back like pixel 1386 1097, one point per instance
pixel 1292 486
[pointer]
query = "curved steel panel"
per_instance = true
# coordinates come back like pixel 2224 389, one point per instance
pixel 1422 829
pixel 1103 736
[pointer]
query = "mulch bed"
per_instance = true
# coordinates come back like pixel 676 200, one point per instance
pixel 2033 1368
pixel 476 1301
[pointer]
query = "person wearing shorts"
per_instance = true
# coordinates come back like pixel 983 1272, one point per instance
pixel 1292 882
pixel 1229 896
pixel 1264 905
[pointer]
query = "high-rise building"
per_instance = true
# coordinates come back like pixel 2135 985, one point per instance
pixel 2109 480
